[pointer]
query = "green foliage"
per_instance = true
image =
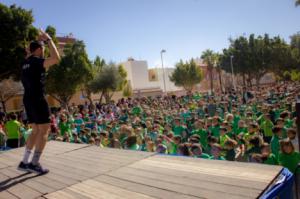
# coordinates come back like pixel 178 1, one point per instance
pixel 295 49
pixel 295 40
pixel 97 67
pixel 52 32
pixel 127 91
pixel 16 31
pixel 187 75
pixel 212 60
pixel 64 79
pixel 108 81
pixel 295 75
pixel 256 56
pixel 123 75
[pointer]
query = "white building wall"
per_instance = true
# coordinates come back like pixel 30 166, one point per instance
pixel 170 86
pixel 138 75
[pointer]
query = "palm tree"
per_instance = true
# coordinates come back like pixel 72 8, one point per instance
pixel 219 70
pixel 209 58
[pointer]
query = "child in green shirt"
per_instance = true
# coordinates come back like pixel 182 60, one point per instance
pixel 199 130
pixel 267 156
pixel 288 157
pixel 229 147
pixel 275 146
pixel 216 152
pixel 267 126
pixel 196 151
pixel 223 137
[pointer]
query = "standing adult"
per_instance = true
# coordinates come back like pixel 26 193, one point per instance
pixel 38 115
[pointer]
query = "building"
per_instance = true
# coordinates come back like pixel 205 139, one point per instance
pixel 63 41
pixel 145 81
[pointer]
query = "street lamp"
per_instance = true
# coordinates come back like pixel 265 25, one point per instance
pixel 232 74
pixel 162 64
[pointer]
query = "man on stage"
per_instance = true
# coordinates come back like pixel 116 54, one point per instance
pixel 33 79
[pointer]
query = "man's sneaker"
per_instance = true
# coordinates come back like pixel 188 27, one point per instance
pixel 23 167
pixel 37 169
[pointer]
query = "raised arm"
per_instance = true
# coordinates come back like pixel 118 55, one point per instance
pixel 54 57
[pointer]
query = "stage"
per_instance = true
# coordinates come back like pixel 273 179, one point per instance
pixel 83 171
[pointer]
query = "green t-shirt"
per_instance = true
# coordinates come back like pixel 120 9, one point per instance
pixel 275 145
pixel 290 161
pixel 172 148
pixel 272 160
pixel 203 136
pixel 134 147
pixel 64 127
pixel 267 126
pixel 204 156
pixel 231 135
pixel 215 131
pixel 236 120
pixel 136 110
pixel 247 137
pixel 241 130
pixel 13 129
pixel 178 130
pixel 223 139
pixel 288 123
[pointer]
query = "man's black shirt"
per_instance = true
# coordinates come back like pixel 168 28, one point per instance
pixel 33 77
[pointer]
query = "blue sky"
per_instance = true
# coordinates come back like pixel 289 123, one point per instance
pixel 118 29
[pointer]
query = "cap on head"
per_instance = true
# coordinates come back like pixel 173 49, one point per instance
pixel 35 45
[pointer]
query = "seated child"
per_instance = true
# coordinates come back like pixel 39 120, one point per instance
pixel 183 149
pixel 288 157
pixel 229 147
pixel 267 156
pixel 196 151
pixel 292 135
pixel 216 152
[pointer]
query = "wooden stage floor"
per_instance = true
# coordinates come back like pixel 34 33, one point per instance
pixel 83 171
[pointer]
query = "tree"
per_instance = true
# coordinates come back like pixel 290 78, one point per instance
pixel 297 2
pixel 295 49
pixel 256 56
pixel 16 30
pixel 107 81
pixel 52 32
pixel 127 91
pixel 8 89
pixel 219 70
pixel 295 75
pixel 211 59
pixel 123 74
pixel 95 70
pixel 66 78
pixel 187 75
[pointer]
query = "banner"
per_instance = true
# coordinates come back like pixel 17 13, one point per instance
pixel 152 74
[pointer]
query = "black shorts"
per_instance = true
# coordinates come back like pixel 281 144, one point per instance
pixel 37 110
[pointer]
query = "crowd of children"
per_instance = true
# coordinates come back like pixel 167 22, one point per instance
pixel 254 125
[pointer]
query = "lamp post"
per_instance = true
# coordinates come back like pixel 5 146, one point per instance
pixel 162 64
pixel 232 74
